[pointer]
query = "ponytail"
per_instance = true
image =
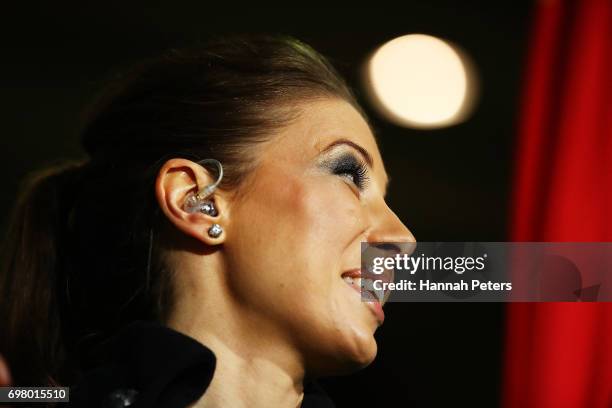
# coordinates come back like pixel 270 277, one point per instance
pixel 31 278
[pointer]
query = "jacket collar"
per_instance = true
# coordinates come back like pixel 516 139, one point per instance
pixel 161 367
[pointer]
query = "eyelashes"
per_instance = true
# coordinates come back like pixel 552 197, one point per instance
pixel 351 167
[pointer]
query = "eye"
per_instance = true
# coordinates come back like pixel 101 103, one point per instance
pixel 352 168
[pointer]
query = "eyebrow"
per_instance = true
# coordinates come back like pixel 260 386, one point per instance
pixel 364 153
pixel 354 145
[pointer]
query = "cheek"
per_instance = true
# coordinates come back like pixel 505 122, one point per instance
pixel 299 224
pixel 326 218
pixel 292 235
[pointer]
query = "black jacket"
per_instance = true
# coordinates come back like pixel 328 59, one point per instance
pixel 153 366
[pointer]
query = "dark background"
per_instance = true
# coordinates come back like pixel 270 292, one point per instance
pixel 451 184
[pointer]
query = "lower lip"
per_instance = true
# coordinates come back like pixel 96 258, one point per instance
pixel 374 306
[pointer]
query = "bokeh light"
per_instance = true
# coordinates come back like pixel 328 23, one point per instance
pixel 421 81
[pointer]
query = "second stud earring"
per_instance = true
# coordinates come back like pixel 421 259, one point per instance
pixel 215 231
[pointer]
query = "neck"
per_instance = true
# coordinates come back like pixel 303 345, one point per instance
pixel 249 380
pixel 256 366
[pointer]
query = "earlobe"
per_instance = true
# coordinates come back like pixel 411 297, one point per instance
pixel 183 206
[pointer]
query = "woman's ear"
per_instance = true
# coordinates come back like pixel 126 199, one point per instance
pixel 176 181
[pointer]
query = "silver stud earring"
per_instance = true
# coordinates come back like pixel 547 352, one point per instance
pixel 197 202
pixel 215 230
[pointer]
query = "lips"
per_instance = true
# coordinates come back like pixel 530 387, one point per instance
pixel 353 278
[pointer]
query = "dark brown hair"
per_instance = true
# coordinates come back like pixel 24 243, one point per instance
pixel 81 256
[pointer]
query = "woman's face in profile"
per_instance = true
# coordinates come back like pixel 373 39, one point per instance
pixel 297 229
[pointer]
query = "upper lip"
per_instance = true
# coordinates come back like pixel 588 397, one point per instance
pixel 353 273
pixel 385 277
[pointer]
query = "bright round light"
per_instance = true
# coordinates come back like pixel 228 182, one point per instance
pixel 420 81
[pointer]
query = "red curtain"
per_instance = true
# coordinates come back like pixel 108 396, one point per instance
pixel 560 354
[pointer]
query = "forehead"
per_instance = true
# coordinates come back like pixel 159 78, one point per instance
pixel 327 120
pixel 323 122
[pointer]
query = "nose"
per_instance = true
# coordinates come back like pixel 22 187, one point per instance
pixel 387 236
pixel 387 227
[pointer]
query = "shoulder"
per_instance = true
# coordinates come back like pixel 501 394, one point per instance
pixel 150 365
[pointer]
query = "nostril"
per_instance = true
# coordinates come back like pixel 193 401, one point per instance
pixel 388 247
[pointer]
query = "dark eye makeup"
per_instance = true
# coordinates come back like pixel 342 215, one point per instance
pixel 350 166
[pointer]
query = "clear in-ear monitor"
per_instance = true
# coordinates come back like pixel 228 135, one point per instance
pixel 198 202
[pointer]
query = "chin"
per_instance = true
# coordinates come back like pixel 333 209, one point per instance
pixel 361 355
pixel 350 356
